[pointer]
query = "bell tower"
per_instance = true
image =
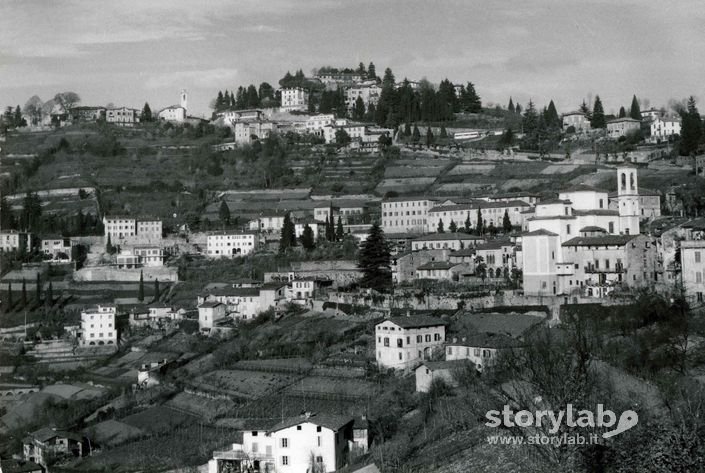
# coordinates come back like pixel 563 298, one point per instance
pixel 184 99
pixel 628 199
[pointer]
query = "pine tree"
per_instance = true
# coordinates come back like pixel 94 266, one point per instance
pixel 339 233
pixel 407 129
pixel 371 72
pixel 635 110
pixel 585 110
pixel 510 107
pixel 453 227
pixel 224 213
pixel 140 289
pixel 598 114
pixel 480 228
pixel 416 135
pixel 622 112
pixel 156 290
pixel 531 119
pixel 375 260
pixel 24 293
pixel 551 116
pixel 308 242
pixel 38 287
pixel 444 132
pixel 471 101
pixel 506 222
pixel 691 129
pixel 288 233
pixel 518 109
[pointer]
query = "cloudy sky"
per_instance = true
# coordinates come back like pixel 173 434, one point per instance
pixel 131 51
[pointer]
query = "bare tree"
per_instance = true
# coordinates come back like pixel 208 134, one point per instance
pixel 33 110
pixel 67 100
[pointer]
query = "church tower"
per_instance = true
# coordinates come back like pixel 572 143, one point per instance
pixel 184 98
pixel 628 199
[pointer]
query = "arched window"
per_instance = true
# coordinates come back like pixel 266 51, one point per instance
pixel 624 181
pixel 631 181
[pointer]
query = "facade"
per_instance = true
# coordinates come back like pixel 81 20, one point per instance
pixel 88 114
pixel 151 256
pixel 649 203
pixel 402 342
pixel 664 129
pixel 492 214
pixel 498 255
pixel 20 466
pixel 125 230
pixel 316 123
pixel 693 268
pixel 294 99
pixel 98 326
pixel 451 241
pixel 622 127
pixel 230 244
pixel 289 446
pixel 481 349
pixel 246 132
pixel 59 248
pixel 127 260
pixel 406 214
pixel 429 371
pixel 176 113
pixel 404 265
pixel 577 120
pixel 122 116
pixel 650 114
pixel 441 271
pixel 267 223
pixel 12 240
pixel 369 93
pixel 209 313
pixel 45 445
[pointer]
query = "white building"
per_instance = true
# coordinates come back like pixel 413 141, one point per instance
pixel 577 120
pixel 58 247
pixel 122 116
pixel 402 342
pixel 291 446
pixel 369 93
pixel 175 113
pixel 693 268
pixel 622 127
pixel 132 231
pixel 492 214
pixel 98 326
pixel 294 99
pixel 481 349
pixel 650 114
pixel 246 132
pixel 316 123
pixel 270 223
pixel 447 371
pixel 149 255
pixel 661 129
pixel 209 313
pixel 230 244
pixel 451 241
pixel 12 240
pixel 406 214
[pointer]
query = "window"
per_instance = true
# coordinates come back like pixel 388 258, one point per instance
pixel 319 459
pixel 428 338
pixel 386 341
pixel 436 337
pixel 450 350
pixel 400 343
pixel 408 340
pixel 567 229
pixel 697 256
pixel 477 352
pixel 255 447
pixel 698 277
pixel 401 356
pixel 319 440
pixel 318 428
pixel 285 443
pixel 298 427
pixel 285 460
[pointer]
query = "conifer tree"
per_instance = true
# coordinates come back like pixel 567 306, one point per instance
pixel 156 290
pixel 510 107
pixel 506 222
pixel 444 132
pixel 375 260
pixel 480 228
pixel 49 296
pixel 9 296
pixel 287 237
pixel 440 228
pixel 307 239
pixel 146 115
pixel 429 137
pixel 224 213
pixel 38 287
pixel 339 233
pixel 452 227
pixel 416 135
pixel 140 289
pixel 407 129
pixel 598 114
pixel 691 129
pixel 468 225
pixel 622 112
pixel 635 110
pixel 24 293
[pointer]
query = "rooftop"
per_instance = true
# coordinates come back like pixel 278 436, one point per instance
pixel 596 212
pixel 431 265
pixel 493 245
pixel 333 422
pixel 415 321
pixel 583 188
pixel 19 466
pixel 444 365
pixel 539 232
pixel 479 204
pixel 484 340
pixel 593 228
pixel 448 236
pixel 511 324
pixel 209 305
pixel 605 240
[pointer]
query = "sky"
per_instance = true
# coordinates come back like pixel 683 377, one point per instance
pixel 129 52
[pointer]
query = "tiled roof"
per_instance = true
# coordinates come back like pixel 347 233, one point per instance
pixel 493 245
pixel 609 240
pixel 481 204
pixel 232 291
pixel 593 228
pixel 333 422
pixel 415 321
pixel 539 232
pixel 583 188
pixel 484 340
pixel 431 265
pixel 640 191
pixel 410 198
pixel 513 325
pixel 554 201
pixel 209 305
pixel 595 212
pixel 447 237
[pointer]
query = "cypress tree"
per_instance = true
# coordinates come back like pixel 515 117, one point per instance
pixel 598 114
pixel 506 223
pixel 416 135
pixel 339 230
pixel 224 213
pixel 440 228
pixel 429 137
pixel 49 296
pixel 9 296
pixel 691 129
pixel 375 260
pixel 453 227
pixel 407 129
pixel 24 293
pixel 510 107
pixel 140 289
pixel 622 112
pixel 38 288
pixel 156 290
pixel 480 228
pixel 635 110
pixel 468 225
pixel 552 118
pixel 307 239
pixel 444 133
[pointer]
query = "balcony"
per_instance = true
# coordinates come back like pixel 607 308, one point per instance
pixel 619 268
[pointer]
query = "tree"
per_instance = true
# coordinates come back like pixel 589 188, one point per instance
pixel 598 114
pixel 38 287
pixel 224 213
pixel 287 237
pixel 307 238
pixel 156 290
pixel 429 137
pixel 339 233
pixel 506 222
pixel 470 100
pixel 371 72
pixel 33 110
pixel 109 249
pixel 67 100
pixel 480 228
pixel 7 219
pixel 691 129
pixel 531 119
pixel 341 137
pixel 440 228
pixel 635 110
pixel 9 303
pixel 453 227
pixel 359 109
pixel 444 132
pixel 480 268
pixel 551 116
pixel 375 260
pixel 24 293
pixel 622 112
pixel 49 296
pixel 584 109
pixel 510 107
pixel 468 225
pixel 416 135
pixel 146 115
pixel 140 289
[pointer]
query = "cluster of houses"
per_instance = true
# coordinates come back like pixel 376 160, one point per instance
pixel 658 127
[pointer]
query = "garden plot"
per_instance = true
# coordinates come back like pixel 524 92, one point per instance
pixel 112 432
pixel 244 383
pixel 285 365
pixel 159 419
pixel 205 408
pixel 560 168
pixel 463 169
pixel 326 387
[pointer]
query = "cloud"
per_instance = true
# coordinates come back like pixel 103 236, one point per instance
pixel 208 78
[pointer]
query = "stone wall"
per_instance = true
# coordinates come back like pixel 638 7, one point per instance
pixel 102 273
